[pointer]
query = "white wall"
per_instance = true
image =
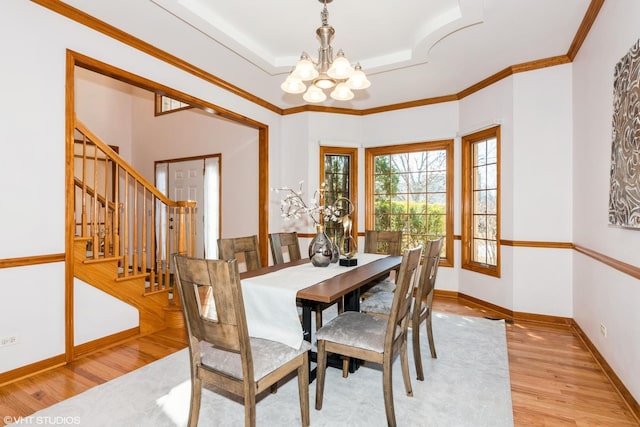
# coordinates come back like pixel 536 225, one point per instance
pixel 195 133
pixel 602 295
pixel 541 175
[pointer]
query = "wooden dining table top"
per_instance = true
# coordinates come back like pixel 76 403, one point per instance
pixel 332 289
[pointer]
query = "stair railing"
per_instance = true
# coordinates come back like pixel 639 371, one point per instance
pixel 121 215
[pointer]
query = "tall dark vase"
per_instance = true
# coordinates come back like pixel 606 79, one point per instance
pixel 320 248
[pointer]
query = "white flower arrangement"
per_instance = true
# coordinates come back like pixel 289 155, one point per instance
pixel 293 206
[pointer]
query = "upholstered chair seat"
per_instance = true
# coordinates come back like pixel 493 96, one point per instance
pixel 267 357
pixel 371 331
pixel 378 302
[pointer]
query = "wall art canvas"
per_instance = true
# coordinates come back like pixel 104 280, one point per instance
pixel 624 188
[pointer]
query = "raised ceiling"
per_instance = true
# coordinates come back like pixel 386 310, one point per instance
pixel 411 49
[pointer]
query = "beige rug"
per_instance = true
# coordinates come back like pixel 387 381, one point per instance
pixel 468 385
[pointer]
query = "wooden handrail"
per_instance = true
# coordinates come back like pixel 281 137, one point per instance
pixel 128 169
pixel 117 213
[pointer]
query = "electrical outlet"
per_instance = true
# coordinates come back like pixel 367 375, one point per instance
pixel 603 330
pixel 5 341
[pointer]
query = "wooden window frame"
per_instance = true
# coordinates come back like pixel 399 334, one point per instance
pixel 158 105
pixel 467 201
pixel 448 145
pixel 353 178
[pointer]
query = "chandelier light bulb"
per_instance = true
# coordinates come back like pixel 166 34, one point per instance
pixel 293 85
pixel 358 79
pixel 305 70
pixel 340 68
pixel 342 92
pixel 314 94
pixel 324 82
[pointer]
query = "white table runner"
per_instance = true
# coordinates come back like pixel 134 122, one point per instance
pixel 270 299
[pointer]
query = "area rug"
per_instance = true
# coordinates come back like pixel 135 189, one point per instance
pixel 467 385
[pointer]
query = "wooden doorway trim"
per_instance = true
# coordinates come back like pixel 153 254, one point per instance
pixel 75 59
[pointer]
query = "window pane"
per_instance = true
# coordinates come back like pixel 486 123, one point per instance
pixel 437 160
pixel 479 226
pixel 492 176
pixel 437 202
pixel 492 229
pixel 480 153
pixel 479 178
pixel 417 161
pixel 382 164
pixel 479 202
pixel 480 251
pixel 411 194
pixel 492 253
pixel 492 150
pixel 437 181
pixel 492 206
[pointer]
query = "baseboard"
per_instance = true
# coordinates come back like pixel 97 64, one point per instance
pixel 628 398
pixel 104 342
pixel 32 369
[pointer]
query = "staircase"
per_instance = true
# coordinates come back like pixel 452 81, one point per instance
pixel 126 232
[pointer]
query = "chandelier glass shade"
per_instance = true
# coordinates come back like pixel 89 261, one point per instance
pixel 327 72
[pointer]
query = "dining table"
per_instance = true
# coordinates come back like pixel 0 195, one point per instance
pixel 273 294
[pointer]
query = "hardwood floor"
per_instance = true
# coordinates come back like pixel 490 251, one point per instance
pixel 555 381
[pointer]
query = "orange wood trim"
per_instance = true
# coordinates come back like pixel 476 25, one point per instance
pixel 446 294
pixel 629 269
pixel 505 312
pixel 69 220
pixel 105 342
pixel 535 244
pixel 540 63
pixel 31 260
pixel 263 194
pixel 32 369
pixel 110 31
pixel 542 318
pixel 410 104
pixel 585 27
pixel 119 35
pixel 626 395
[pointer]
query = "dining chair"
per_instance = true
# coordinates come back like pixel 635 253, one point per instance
pixel 382 242
pixel 241 248
pixel 221 352
pixel 380 303
pixel 373 339
pixel 278 243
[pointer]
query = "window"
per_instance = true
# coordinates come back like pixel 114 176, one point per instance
pixel 481 202
pixel 410 188
pixel 339 171
pixel 164 105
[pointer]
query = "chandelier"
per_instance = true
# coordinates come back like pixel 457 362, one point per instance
pixel 328 72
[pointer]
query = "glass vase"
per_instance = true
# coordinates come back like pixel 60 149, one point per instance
pixel 320 248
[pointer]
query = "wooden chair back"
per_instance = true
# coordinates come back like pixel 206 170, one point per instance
pixel 224 324
pixel 383 242
pixel 428 273
pixel 241 248
pixel 221 351
pixel 403 294
pixel 422 311
pixel 280 241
